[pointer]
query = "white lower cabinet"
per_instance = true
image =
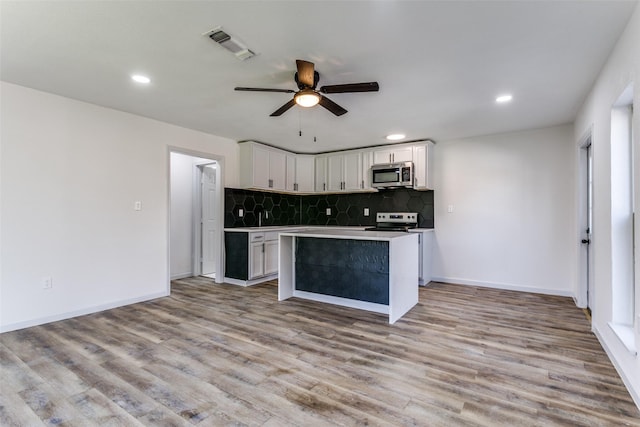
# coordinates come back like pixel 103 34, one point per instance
pixel 271 256
pixel 263 254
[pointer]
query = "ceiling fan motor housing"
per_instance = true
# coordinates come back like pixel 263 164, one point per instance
pixel 316 79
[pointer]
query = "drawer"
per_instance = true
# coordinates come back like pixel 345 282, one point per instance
pixel 256 237
pixel 271 235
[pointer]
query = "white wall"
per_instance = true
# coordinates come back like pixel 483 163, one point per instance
pixel 512 224
pixel 70 174
pixel 181 215
pixel 622 68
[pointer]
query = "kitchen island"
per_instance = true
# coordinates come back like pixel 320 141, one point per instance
pixel 368 270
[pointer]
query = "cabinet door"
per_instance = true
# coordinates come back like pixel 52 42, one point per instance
pixel 277 170
pixel 351 171
pixel 256 260
pixel 321 173
pixel 260 167
pixel 393 155
pixel 290 180
pixel 404 154
pixel 423 170
pixel 367 162
pixel 270 257
pixel 334 172
pixel 305 173
pixel 382 156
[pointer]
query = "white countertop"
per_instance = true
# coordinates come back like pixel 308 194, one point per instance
pixel 284 228
pixel 292 227
pixel 349 234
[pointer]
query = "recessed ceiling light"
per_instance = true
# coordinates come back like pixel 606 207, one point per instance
pixel 504 98
pixel 140 78
pixel 396 136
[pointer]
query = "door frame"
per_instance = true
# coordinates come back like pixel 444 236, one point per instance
pixel 198 228
pixel 220 160
pixel 585 291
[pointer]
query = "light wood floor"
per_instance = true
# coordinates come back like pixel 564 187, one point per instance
pixel 225 355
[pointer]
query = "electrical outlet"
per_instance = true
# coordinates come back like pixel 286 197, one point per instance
pixel 240 213
pixel 328 211
pixel 137 205
pixel 366 211
pixel 47 282
pixel 450 209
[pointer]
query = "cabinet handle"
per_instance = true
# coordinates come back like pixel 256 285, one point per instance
pixel 362 184
pixel 263 248
pixel 270 183
pixel 295 187
pixel 324 186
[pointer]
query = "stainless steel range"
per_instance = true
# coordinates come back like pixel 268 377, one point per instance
pixel 395 221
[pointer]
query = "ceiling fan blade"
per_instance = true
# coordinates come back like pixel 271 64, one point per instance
pixel 332 106
pixel 284 108
pixel 260 89
pixel 305 72
pixel 351 87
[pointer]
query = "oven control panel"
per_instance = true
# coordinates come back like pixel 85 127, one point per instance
pixel 400 217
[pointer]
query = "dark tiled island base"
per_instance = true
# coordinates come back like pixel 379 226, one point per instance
pixel 353 269
pixel 368 270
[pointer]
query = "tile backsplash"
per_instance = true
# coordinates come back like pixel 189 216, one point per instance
pixel 346 209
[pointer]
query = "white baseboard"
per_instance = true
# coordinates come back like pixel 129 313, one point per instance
pixel 181 275
pixel 70 314
pixel 505 286
pixel 635 394
pixel 251 282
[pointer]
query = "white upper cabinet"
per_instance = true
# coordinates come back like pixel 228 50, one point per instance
pixel 262 167
pixel 344 171
pixel 304 173
pixel 393 154
pixel 321 173
pixel 367 162
pixel 290 184
pixel 423 166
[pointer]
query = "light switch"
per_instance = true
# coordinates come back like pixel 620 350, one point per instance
pixel 450 209
pixel 328 211
pixel 137 205
pixel 366 211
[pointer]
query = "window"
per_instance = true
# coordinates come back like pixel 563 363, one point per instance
pixel 622 219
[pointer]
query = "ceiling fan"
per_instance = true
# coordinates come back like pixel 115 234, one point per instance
pixel 307 96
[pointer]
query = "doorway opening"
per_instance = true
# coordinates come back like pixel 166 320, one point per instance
pixel 196 212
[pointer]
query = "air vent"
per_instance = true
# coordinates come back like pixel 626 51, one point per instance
pixel 230 43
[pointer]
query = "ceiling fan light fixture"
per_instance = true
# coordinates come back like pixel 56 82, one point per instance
pixel 307 98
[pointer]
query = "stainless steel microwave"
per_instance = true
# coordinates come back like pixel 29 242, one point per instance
pixel 389 175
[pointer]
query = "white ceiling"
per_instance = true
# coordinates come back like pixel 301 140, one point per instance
pixel 440 64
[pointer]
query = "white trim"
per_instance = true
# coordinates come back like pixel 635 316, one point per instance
pixel 634 395
pixel 506 286
pixel 82 312
pixel 181 275
pixel 220 204
pixel 344 302
pixel 625 335
pixel 251 282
